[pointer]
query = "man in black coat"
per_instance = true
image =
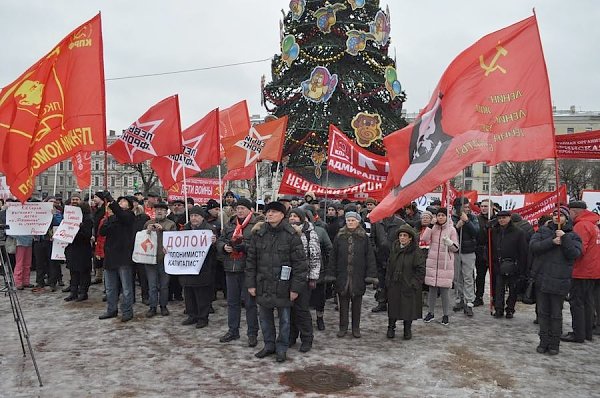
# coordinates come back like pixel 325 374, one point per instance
pixel 276 270
pixel 118 248
pixel 509 256
pixel 79 257
pixel 486 220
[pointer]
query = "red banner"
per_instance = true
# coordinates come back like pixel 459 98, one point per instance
pixel 491 105
pixel 199 189
pixel 245 173
pixel 546 205
pixel 82 167
pixel 156 133
pixel 294 184
pixel 54 109
pixel 454 194
pixel 346 158
pixel 579 145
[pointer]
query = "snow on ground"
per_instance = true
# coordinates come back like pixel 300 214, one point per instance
pixel 81 356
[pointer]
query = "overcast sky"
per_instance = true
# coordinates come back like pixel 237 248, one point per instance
pixel 151 36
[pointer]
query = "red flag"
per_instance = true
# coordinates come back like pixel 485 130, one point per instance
pixel 346 158
pixel 156 133
pixel 200 151
pixel 545 205
pixel 245 173
pixel 82 166
pixel 492 104
pixel 261 142
pixel 578 146
pixel 234 120
pixel 55 109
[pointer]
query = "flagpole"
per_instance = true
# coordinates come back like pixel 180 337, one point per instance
pixel 326 189
pixel 257 184
pixel 187 215
pixel 489 237
pixel 106 170
pixel 221 198
pixel 273 198
pixel 55 178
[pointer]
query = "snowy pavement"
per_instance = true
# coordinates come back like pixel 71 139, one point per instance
pixel 81 356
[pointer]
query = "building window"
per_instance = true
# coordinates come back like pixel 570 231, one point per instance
pixel 135 180
pixel 70 179
pixel 45 180
pixel 61 166
pixel 468 185
pixel 70 166
pixel 485 169
pixel 125 181
pixel 588 129
pixel 113 181
pixel 570 130
pixel 97 181
pixel 97 166
pixel 61 180
pixel 551 187
pixel 469 171
pixel 486 186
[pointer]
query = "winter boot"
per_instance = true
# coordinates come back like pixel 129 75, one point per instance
pixel 407 330
pixel 320 323
pixel 381 307
pixel 458 307
pixel 391 332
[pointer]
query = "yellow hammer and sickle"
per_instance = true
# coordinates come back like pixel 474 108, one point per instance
pixel 492 67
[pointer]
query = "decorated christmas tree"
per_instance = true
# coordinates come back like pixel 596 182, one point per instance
pixel 334 68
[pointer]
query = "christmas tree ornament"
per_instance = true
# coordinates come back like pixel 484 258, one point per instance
pixel 391 82
pixel 289 49
pixel 326 16
pixel 354 4
pixel 297 8
pixel 357 41
pixel 318 158
pixel 320 86
pixel 380 28
pixel 367 128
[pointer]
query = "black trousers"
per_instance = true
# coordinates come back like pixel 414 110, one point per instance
pixel 44 266
pixel 549 314
pixel 80 280
pixel 501 282
pixel 175 289
pixel 300 319
pixel 197 301
pixel 344 304
pixel 139 271
pixel 481 268
pixel 317 297
pixel 582 307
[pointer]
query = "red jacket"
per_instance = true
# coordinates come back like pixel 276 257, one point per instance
pixel 588 265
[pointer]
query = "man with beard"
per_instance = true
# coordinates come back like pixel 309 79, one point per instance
pixel 100 205
pixel 177 215
pixel 213 218
pixel 277 270
pixel 481 254
pixel 232 245
pixel 118 230
pixel 158 279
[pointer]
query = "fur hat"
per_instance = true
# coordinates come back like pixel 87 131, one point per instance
pixel 246 203
pixel 370 200
pixel 100 194
pixel 128 199
pixel 276 206
pixel 161 205
pixel 153 194
pixel 311 194
pixel 503 213
pixel 577 204
pixel 212 204
pixel 352 214
pixel 197 210
pixel 427 213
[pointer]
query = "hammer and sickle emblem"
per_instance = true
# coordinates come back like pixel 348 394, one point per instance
pixel 492 67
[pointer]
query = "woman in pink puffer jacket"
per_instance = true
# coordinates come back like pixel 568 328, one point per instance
pixel 443 241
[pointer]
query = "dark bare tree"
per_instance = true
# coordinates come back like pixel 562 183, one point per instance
pixel 576 174
pixel 523 177
pixel 146 173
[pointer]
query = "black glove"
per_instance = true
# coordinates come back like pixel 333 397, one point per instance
pixel 108 196
pixel 241 248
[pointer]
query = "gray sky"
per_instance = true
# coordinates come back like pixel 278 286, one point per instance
pixel 151 36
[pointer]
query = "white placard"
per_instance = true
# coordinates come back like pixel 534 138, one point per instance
pixel 592 199
pixel 58 250
pixel 186 251
pixel 69 226
pixel 507 201
pixel 425 200
pixel 28 218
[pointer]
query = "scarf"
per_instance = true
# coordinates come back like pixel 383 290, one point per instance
pixel 238 235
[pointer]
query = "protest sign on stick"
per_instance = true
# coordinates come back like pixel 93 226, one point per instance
pixel 186 251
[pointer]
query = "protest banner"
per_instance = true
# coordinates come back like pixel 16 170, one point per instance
pixel 199 189
pixel 186 251
pixel 592 199
pixel 69 226
pixel 546 205
pixel 294 184
pixel 28 218
pixel 58 250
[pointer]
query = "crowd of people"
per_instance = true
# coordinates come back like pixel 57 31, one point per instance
pixel 293 254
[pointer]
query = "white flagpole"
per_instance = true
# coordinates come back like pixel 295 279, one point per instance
pixel 273 198
pixel 55 178
pixel 187 215
pixel 257 184
pixel 221 199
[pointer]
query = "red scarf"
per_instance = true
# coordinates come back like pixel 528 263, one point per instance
pixel 238 235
